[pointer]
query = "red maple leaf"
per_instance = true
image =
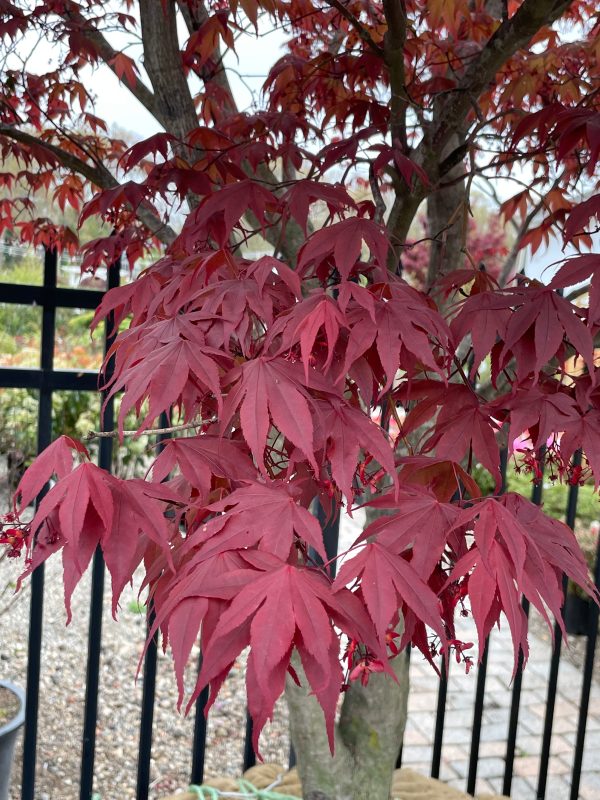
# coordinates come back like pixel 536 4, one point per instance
pixel 387 581
pixel 282 522
pixel 270 388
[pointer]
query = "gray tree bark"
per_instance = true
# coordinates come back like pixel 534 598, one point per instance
pixel 447 210
pixel 368 737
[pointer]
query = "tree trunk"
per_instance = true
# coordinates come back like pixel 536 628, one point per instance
pixel 368 737
pixel 447 210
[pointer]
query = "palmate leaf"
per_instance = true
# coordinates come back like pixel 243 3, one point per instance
pixel 302 602
pixel 199 458
pixel 402 327
pixel 56 460
pixel 270 388
pixel 342 430
pixel 341 245
pixel 517 549
pixel 282 522
pixel 530 323
pixel 417 524
pixel 386 582
pixel 302 325
pixel 175 370
pixel 89 507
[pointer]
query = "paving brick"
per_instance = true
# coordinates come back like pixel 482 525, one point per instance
pixel 591 760
pixel 530 722
pixel 424 721
pixel 459 718
pixel 414 754
pixel 557 788
pixel 562 708
pixel 483 786
pixel 565 724
pixel 412 736
pixel 447 771
pixel 526 766
pixel 492 767
pixel 487 749
pixel 495 784
pixel 592 740
pixel 523 789
pixel 493 733
pixel 532 745
pixel 590 784
pixel 458 735
pixel 422 701
pixel 496 715
pixel 501 699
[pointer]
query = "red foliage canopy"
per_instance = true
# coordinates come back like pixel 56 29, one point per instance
pixel 280 364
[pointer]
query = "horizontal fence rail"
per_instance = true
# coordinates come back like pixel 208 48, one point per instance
pixel 47 380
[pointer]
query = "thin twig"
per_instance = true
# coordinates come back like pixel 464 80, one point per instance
pixel 91 435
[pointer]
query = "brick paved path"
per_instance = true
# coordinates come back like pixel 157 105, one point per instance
pixel 418 741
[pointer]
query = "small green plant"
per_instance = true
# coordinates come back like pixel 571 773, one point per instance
pixel 588 542
pixel 136 607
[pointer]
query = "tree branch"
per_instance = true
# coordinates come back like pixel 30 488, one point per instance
pixel 511 35
pixel 108 53
pixel 394 40
pixel 99 175
pixel 91 435
pixel 195 15
pixel 356 24
pixel 162 60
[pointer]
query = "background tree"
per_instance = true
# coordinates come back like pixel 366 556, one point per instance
pixel 277 364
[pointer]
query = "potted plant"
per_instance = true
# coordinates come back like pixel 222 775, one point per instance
pixel 12 717
pixel 577 609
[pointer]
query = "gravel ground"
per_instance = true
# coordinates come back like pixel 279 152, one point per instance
pixel 62 697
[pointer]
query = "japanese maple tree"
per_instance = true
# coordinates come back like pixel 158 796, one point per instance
pixel 273 370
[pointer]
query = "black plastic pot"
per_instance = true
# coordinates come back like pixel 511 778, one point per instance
pixel 8 738
pixel 577 614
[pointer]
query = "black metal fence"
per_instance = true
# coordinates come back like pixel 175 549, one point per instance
pixel 47 380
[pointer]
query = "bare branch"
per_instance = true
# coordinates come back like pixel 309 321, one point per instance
pixel 91 435
pixel 394 40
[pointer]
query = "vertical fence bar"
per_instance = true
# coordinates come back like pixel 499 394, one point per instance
pixel 148 690
pixel 588 674
pixel 571 514
pixel 44 437
pixel 511 741
pixel 407 656
pixel 482 673
pixel 440 715
pixel 147 717
pixel 105 449
pixel 477 719
pixel 249 754
pixel 199 745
